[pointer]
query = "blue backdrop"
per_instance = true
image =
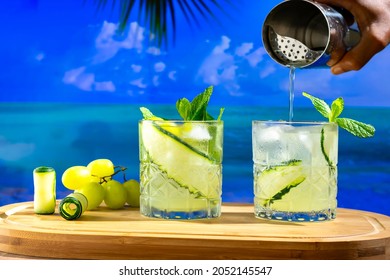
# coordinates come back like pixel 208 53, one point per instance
pixel 70 88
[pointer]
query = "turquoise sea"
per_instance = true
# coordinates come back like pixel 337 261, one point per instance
pixel 63 135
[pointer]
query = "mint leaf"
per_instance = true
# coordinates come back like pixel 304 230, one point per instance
pixel 196 110
pixel 354 127
pixel 337 108
pixel 220 113
pixel 357 128
pixel 183 106
pixel 199 105
pixel 319 104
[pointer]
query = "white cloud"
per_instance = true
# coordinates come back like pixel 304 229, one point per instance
pixel 244 49
pixel 172 75
pixel 156 80
pixel 153 51
pixel 105 86
pixel 136 68
pixel 229 73
pixel 256 56
pixel 135 37
pixel 219 67
pixel 107 46
pixel 79 78
pixel 14 151
pixel 86 81
pixel 138 83
pixel 216 63
pixel 267 70
pixel 225 44
pixel 72 75
pixel 159 67
pixel 40 56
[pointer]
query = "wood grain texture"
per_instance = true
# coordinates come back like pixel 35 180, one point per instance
pixel 237 234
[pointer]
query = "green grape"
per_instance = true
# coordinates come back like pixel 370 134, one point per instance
pixel 76 176
pixel 133 192
pixel 101 168
pixel 116 195
pixel 94 192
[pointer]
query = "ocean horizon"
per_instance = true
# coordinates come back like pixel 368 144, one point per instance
pixel 62 135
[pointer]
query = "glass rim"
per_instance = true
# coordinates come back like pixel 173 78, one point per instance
pixel 182 121
pixel 43 169
pixel 294 122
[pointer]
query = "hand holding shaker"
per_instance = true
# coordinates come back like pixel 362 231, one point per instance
pixel 304 33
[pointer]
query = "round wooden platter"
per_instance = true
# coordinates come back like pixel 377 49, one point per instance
pixel 237 234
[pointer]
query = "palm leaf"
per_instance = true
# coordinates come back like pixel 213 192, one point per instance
pixel 160 15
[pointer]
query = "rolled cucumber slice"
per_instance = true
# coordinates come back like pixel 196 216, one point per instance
pixel 276 181
pixel 181 161
pixel 73 206
pixel 44 190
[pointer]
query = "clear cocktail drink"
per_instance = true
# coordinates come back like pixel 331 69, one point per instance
pixel 180 168
pixel 295 170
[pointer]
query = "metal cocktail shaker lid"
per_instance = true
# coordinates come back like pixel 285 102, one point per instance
pixel 303 33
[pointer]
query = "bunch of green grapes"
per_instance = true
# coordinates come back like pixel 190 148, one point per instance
pixel 95 181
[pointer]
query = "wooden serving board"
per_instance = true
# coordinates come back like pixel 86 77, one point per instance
pixel 237 234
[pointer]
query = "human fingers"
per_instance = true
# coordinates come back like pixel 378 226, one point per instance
pixel 337 53
pixel 359 55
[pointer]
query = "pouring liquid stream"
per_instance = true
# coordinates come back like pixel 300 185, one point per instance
pixel 291 93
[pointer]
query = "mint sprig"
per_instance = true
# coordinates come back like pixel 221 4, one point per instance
pixel 195 110
pixel 332 113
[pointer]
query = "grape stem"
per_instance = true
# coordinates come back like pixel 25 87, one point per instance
pixel 121 169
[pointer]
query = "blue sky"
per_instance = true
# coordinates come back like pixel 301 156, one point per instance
pixel 64 51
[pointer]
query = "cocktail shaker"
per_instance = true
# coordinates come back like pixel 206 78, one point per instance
pixel 304 33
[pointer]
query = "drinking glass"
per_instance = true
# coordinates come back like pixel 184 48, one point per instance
pixel 180 168
pixel 295 170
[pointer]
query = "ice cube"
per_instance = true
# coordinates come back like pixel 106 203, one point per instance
pixel 267 134
pixel 198 132
pixel 271 144
pixel 310 143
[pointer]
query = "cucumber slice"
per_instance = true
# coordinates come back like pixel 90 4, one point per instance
pixel 44 190
pixel 166 194
pixel 189 132
pixel 276 181
pixel 73 206
pixel 189 167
